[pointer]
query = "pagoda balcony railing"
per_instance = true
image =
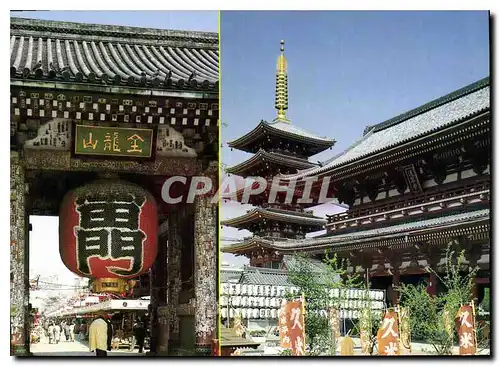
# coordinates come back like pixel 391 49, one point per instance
pixel 288 208
pixel 432 201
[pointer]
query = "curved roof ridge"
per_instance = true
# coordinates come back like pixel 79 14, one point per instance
pixel 328 161
pixel 119 31
pixel 294 129
pixel 430 105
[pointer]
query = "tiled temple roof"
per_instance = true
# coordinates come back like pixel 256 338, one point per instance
pixel 284 130
pixel 369 236
pixel 264 276
pixel 431 117
pixel 270 276
pixel 104 54
pixel 257 214
pixel 263 156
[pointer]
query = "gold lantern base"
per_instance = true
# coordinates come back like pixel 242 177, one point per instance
pixel 115 285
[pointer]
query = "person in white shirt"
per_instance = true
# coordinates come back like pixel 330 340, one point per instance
pixel 98 335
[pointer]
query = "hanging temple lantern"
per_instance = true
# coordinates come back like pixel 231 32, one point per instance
pixel 108 231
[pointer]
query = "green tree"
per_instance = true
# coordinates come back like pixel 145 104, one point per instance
pixel 315 287
pixel 431 317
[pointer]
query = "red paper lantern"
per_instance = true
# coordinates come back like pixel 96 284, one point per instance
pixel 108 229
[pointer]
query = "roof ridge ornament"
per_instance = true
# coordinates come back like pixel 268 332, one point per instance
pixel 281 98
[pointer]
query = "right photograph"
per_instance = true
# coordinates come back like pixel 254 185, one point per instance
pixel 356 170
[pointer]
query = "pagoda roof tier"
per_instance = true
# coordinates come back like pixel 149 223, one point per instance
pixel 273 159
pixel 285 131
pixel 407 233
pixel 53 51
pixel 272 214
pixel 412 127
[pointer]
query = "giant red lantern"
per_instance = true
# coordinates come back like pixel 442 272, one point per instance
pixel 108 230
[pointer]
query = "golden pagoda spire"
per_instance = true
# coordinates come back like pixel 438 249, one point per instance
pixel 281 103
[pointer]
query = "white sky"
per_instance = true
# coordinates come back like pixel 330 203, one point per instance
pixel 45 259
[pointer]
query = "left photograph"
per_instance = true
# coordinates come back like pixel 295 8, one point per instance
pixel 114 153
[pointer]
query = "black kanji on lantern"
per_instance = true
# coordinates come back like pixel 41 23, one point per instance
pixel 109 228
pixel 127 244
pixel 90 243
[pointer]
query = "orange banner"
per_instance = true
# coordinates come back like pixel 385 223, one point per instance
pixel 283 328
pixel 466 330
pixel 291 326
pixel 388 335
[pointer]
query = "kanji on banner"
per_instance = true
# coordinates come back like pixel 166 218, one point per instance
pixel 292 330
pixel 388 335
pixel 285 342
pixel 466 330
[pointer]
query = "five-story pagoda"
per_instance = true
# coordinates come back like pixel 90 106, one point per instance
pixel 280 148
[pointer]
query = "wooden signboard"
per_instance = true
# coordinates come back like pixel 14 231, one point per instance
pixel 113 141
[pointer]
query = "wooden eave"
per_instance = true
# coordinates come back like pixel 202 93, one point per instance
pixel 262 130
pixel 459 131
pixel 260 214
pixel 245 168
pixel 403 238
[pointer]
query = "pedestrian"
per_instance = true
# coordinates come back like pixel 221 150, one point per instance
pixel 140 335
pixel 98 335
pixel 51 333
pixel 57 333
pixel 72 332
pixel 63 333
pixel 110 332
pixel 67 332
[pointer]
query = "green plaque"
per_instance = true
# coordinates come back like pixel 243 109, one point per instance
pixel 113 141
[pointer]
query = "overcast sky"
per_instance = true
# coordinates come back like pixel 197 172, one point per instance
pixel 346 70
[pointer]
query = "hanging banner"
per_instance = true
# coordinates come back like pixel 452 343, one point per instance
pixel 334 316
pixel 283 329
pixel 388 335
pixel 404 331
pixel 466 330
pixel 291 323
pixel 365 330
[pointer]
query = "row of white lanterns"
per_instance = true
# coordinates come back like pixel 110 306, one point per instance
pixel 281 291
pixel 257 290
pixel 273 313
pixel 272 302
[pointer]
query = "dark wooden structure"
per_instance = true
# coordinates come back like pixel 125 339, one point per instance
pixel 414 184
pixel 280 148
pixel 164 81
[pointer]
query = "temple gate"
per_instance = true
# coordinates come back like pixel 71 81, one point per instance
pixel 92 102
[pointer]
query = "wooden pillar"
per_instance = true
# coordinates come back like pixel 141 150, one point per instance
pixel 19 295
pixel 174 273
pixel 432 286
pixel 395 285
pixel 205 283
pixel 160 329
